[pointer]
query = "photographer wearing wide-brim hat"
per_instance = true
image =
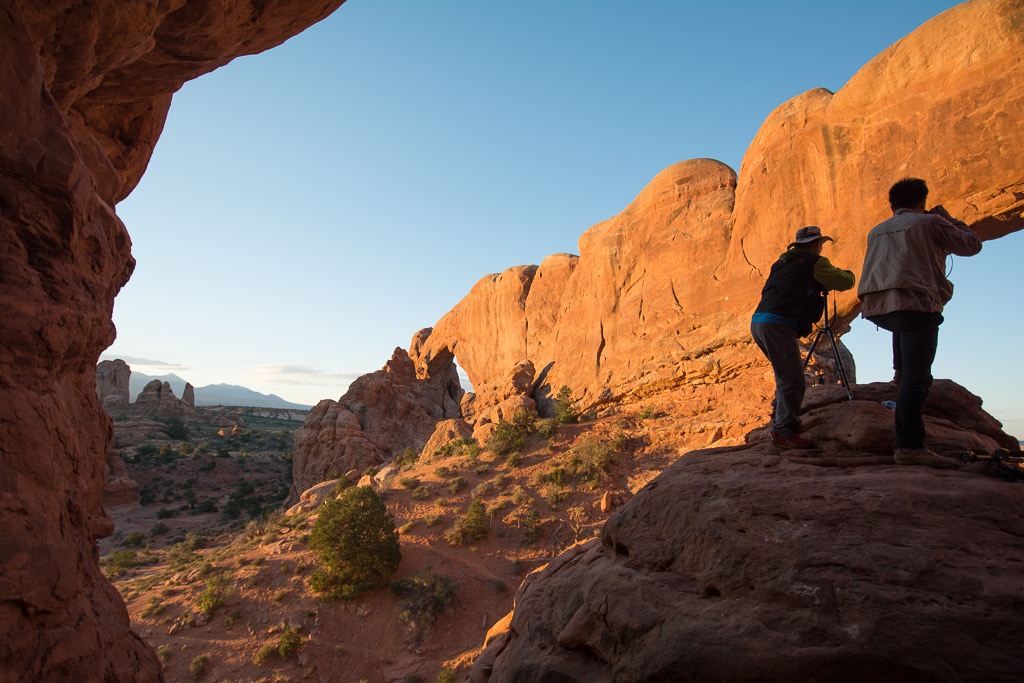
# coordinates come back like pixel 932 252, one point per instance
pixel 792 300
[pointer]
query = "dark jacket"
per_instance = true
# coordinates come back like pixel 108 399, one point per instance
pixel 796 288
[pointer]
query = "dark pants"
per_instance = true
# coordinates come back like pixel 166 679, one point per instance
pixel 915 336
pixel 779 344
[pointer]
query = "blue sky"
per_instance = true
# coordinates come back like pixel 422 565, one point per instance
pixel 308 209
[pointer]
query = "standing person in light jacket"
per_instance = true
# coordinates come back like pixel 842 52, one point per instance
pixel 792 300
pixel 903 289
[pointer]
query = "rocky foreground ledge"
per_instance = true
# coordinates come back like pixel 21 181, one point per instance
pixel 750 563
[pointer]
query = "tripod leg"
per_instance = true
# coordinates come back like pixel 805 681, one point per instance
pixel 813 346
pixel 839 364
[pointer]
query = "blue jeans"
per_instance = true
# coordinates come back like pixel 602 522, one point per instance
pixel 778 342
pixel 915 337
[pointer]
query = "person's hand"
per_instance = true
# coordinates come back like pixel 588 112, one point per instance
pixel 940 210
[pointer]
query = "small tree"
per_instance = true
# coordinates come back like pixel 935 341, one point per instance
pixel 566 411
pixel 215 595
pixel 472 527
pixel 356 543
pixel 510 437
pixel 289 643
pixel 176 429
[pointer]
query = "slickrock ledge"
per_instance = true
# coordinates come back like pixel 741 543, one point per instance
pixel 748 563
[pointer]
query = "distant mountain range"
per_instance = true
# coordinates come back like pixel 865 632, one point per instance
pixel 214 394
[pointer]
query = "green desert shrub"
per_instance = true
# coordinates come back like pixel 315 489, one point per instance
pixel 264 653
pixel 464 446
pixel 134 539
pixel 215 595
pixel 289 643
pixel 472 527
pixel 443 472
pixel 356 544
pixel 547 427
pixel 120 561
pixel 592 458
pixel 566 411
pixel 197 667
pixel 408 458
pixel 176 429
pixel 531 526
pixel 424 594
pixel 648 413
pixel 510 437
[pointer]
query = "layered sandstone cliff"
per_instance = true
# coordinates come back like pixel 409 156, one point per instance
pixel 660 295
pixel 86 88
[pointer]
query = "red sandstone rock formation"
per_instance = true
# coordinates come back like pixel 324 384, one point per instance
pixel 380 415
pixel 86 88
pixel 112 386
pixel 188 395
pixel 157 399
pixel 745 563
pixel 660 294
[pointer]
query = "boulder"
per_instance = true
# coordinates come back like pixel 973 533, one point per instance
pixel 514 389
pixel 381 477
pixel 112 378
pixel 445 433
pixel 829 564
pixel 157 400
pixel 313 497
pixel 484 431
pixel 507 409
pixel 380 415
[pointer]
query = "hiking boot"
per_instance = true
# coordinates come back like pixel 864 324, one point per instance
pixel 789 441
pixel 922 456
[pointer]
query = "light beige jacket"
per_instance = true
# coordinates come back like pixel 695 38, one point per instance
pixel 905 264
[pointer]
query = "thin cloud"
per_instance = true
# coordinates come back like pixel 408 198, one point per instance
pixel 302 375
pixel 136 361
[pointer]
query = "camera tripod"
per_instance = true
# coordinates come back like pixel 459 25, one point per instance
pixel 826 329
